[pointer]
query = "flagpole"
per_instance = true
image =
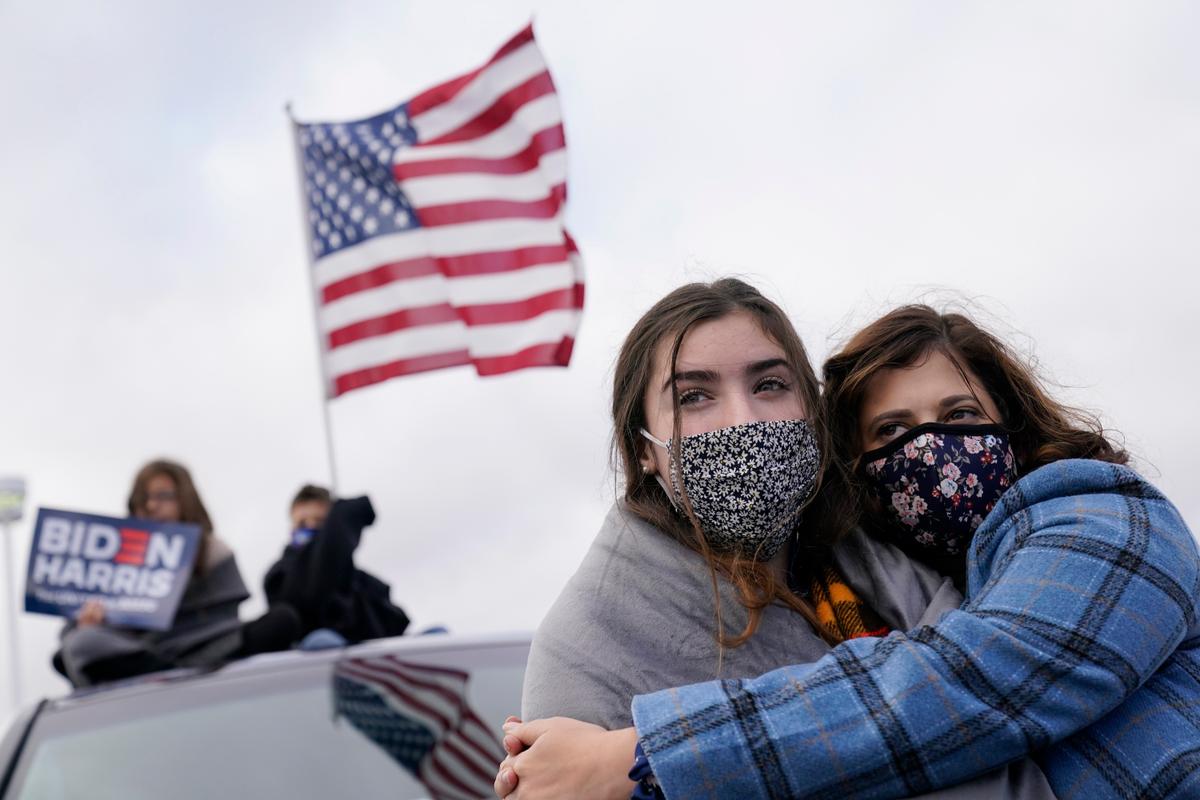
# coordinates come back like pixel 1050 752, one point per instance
pixel 10 589
pixel 326 385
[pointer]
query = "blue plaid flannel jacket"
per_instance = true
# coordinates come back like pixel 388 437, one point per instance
pixel 1078 642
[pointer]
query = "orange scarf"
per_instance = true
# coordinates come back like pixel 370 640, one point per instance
pixel 841 612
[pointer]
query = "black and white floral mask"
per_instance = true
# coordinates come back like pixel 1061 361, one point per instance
pixel 746 483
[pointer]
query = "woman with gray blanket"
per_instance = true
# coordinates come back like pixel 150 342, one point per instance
pixel 733 576
pixel 206 630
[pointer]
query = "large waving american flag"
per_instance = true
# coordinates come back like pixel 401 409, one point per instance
pixel 419 715
pixel 436 229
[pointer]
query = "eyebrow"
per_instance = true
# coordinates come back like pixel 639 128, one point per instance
pixel 902 413
pixel 955 399
pixel 711 376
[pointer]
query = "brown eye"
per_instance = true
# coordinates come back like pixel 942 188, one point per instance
pixel 771 384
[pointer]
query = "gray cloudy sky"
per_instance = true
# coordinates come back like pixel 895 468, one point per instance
pixel 1038 160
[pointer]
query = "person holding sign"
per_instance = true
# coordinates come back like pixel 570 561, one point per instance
pixel 205 630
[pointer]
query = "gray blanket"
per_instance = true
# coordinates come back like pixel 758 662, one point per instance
pixel 638 616
pixel 205 630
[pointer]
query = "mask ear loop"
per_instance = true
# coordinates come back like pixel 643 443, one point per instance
pixel 665 446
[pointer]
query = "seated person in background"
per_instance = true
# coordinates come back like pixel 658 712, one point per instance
pixel 206 630
pixel 316 574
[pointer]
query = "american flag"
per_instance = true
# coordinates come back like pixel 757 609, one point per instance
pixel 436 229
pixel 419 715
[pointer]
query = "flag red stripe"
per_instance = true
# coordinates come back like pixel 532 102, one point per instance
pixel 496 313
pixel 399 666
pixel 450 266
pixel 445 91
pixel 389 323
pixel 469 751
pixel 133 547
pixel 552 354
pixel 453 748
pixel 544 141
pixel 395 369
pixel 501 260
pixel 432 762
pixel 132 533
pixel 380 276
pixel 404 673
pixel 480 210
pixel 498 112
pixel 121 558
pixel 483 314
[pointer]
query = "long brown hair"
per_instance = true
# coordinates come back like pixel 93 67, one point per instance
pixel 1041 429
pixel 670 319
pixel 191 507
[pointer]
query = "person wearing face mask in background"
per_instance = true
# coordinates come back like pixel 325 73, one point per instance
pixel 206 630
pixel 716 562
pixel 1079 641
pixel 316 575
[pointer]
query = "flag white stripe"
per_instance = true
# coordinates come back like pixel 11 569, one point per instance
pixel 437 703
pixel 443 691
pixel 474 752
pixel 509 139
pixel 446 240
pixel 451 764
pixel 426 340
pixel 478 733
pixel 486 341
pixel 439 787
pixel 428 290
pixel 465 187
pixel 482 341
pixel 478 95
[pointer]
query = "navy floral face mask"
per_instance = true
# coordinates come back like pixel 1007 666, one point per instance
pixel 937 482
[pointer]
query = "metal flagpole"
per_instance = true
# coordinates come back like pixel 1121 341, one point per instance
pixel 12 505
pixel 10 589
pixel 326 385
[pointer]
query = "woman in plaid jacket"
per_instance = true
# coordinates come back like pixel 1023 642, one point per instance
pixel 1079 641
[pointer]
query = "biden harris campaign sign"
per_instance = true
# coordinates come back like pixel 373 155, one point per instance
pixel 136 568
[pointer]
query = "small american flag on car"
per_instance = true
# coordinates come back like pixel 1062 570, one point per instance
pixel 436 229
pixel 419 715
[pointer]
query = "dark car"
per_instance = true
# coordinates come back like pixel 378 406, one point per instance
pixel 398 718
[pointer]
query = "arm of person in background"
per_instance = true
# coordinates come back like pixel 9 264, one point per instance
pixel 1082 585
pixel 1085 582
pixel 323 568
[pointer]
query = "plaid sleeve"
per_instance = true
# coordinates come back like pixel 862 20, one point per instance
pixel 1081 583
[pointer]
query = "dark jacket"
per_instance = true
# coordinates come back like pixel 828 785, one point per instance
pixel 319 580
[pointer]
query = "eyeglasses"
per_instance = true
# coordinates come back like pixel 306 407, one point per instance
pixel 163 496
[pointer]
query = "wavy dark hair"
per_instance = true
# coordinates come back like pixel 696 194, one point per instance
pixel 1041 429
pixel 191 507
pixel 669 320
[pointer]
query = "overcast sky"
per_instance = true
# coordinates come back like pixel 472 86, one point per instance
pixel 1036 160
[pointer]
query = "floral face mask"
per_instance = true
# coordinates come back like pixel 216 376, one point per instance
pixel 937 482
pixel 747 482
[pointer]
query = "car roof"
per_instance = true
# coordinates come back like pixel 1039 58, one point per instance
pixel 269 663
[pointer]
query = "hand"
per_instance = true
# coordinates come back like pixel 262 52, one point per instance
pixel 566 758
pixel 92 613
pixel 506 779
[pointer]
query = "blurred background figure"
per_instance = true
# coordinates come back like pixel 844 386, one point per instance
pixel 337 602
pixel 206 630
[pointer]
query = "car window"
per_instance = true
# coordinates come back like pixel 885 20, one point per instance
pixel 395 726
